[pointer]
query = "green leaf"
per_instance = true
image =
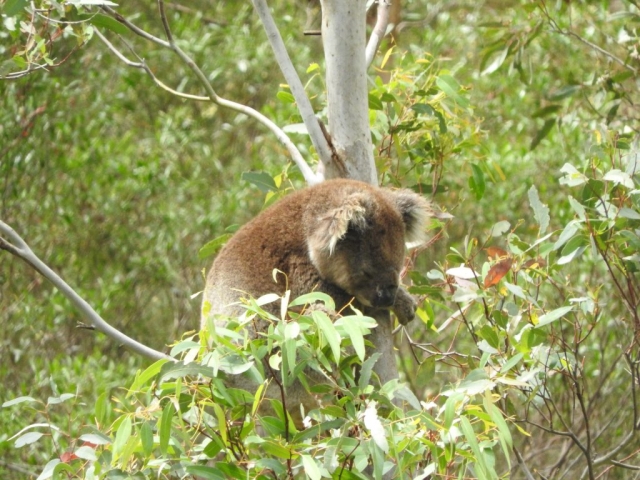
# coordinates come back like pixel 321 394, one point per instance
pixel 276 449
pixel 476 181
pixel 450 409
pixel 173 370
pixel 329 331
pixel 504 435
pixel 122 436
pixel 262 180
pixel 365 371
pixel 285 97
pixel 311 469
pixel 313 297
pixel 405 393
pixel 374 103
pixel 101 407
pixel 355 334
pixel 18 400
pixel 516 290
pixel 95 438
pixel 567 234
pixel 483 469
pixel 572 176
pixel 500 228
pixel 205 472
pixel 540 211
pixel 164 426
pixel 451 87
pixel 182 346
pixel 62 398
pixel 564 92
pixel 423 108
pixel 320 428
pixel 542 133
pixel 552 316
pixel 12 7
pixel 490 336
pixel 27 439
pixel 146 438
pixel 47 471
pixel 546 111
pixel 497 61
pixel 213 246
pixel 571 256
pixel 142 378
pixel 110 23
pixel 86 453
pixel 513 361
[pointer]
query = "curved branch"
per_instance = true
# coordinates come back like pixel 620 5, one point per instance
pixel 15 245
pixel 293 80
pixel 379 30
pixel 308 174
pixel 142 65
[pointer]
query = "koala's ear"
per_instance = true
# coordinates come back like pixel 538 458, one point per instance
pixel 333 225
pixel 416 211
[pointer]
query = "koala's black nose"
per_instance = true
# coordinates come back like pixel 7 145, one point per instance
pixel 385 296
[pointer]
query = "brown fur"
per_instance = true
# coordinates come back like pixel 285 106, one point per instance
pixel 341 237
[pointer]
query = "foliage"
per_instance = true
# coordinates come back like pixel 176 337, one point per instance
pixel 516 116
pixel 179 419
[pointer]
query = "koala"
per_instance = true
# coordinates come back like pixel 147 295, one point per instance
pixel 342 237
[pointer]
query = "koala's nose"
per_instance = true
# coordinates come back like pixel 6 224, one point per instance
pixel 386 296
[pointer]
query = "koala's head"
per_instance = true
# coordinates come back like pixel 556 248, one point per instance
pixel 359 245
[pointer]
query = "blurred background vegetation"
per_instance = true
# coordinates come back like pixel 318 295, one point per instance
pixel 117 184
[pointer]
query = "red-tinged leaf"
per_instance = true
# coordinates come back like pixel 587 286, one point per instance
pixel 68 457
pixel 498 271
pixel 496 252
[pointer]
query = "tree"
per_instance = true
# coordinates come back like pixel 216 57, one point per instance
pixel 530 319
pixel 346 150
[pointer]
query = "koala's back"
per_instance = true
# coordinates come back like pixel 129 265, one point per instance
pixel 275 239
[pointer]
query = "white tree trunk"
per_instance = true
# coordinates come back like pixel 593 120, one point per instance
pixel 344 40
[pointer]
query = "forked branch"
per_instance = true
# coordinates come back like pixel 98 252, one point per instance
pixel 308 174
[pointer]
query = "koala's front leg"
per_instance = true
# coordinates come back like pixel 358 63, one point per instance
pixel 404 307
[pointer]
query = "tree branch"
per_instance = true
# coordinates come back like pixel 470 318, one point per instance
pixel 141 64
pixel 308 174
pixel 293 80
pixel 15 245
pixel 379 30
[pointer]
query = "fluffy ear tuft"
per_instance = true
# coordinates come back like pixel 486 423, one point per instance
pixel 416 211
pixel 333 225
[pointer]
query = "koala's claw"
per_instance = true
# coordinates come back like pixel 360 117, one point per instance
pixel 404 307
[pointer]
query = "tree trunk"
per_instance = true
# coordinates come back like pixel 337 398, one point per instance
pixel 344 40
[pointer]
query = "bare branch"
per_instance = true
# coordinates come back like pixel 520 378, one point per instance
pixel 15 245
pixel 379 30
pixel 308 174
pixel 141 64
pixel 593 46
pixel 137 30
pixel 293 80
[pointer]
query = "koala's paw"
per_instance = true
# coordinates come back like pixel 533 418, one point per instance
pixel 404 307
